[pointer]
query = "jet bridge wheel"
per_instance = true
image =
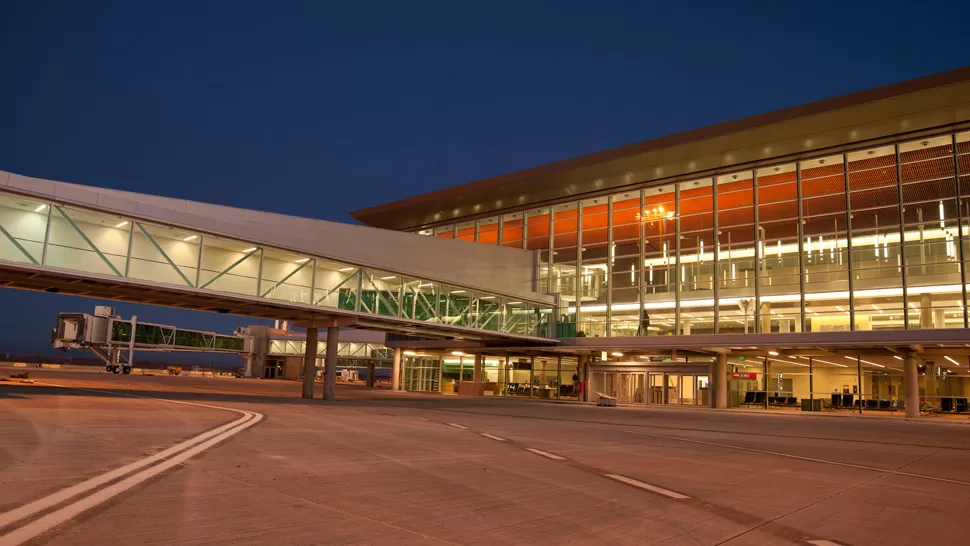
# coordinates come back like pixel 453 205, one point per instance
pixel 116 369
pixel 126 370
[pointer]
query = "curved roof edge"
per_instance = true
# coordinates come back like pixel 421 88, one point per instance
pixel 506 192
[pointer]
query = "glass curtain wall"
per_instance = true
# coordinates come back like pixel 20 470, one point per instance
pixel 870 239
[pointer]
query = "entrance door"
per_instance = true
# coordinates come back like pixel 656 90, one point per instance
pixel 656 388
pixel 703 397
pixel 687 389
pixel 626 387
pixel 673 389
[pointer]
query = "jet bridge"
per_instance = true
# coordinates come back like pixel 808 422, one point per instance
pixel 115 339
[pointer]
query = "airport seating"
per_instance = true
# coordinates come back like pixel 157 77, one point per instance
pixel 962 405
pixel 836 401
pixel 760 397
pixel 748 398
pixel 946 404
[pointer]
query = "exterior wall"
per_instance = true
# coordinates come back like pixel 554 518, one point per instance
pixel 873 238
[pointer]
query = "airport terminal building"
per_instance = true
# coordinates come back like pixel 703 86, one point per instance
pixel 807 258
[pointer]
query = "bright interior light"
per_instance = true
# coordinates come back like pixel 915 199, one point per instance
pixel 951 360
pixel 249 249
pixel 389 277
pixel 40 208
pixel 773 353
pixel 603 355
pixel 867 362
pixel 457 353
pixel 303 260
pixel 345 269
pixel 409 353
pixel 122 224
pixel 453 291
pixel 191 238
pixel 617 354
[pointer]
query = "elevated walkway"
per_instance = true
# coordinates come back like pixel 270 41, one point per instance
pixel 110 244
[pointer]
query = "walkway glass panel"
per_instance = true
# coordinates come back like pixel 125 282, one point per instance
pixel 71 238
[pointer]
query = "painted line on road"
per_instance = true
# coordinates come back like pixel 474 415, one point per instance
pixel 49 521
pixel 456 425
pixel 545 454
pixel 647 486
pixel 787 455
pixel 493 437
pixel 162 460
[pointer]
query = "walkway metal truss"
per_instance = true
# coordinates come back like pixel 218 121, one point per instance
pixel 64 248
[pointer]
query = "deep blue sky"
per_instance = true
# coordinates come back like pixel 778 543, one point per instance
pixel 319 108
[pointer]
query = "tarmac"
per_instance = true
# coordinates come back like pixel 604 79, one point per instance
pixel 379 467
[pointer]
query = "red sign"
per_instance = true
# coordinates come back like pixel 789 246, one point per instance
pixel 737 375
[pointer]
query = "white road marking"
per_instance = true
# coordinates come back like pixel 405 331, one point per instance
pixel 58 497
pixel 457 426
pixel 166 459
pixel 45 523
pixel 546 454
pixel 787 455
pixel 647 486
pixel 824 543
pixel 497 438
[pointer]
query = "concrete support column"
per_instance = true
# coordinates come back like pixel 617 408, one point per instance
pixel 911 385
pixel 396 371
pixel 370 375
pixel 720 381
pixel 477 372
pixel 330 364
pixel 925 311
pixel 764 316
pixel 309 362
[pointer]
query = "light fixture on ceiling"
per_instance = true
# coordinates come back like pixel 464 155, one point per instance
pixel 122 224
pixel 457 353
pixel 345 269
pixel 389 277
pixel 191 238
pixel 773 353
pixel 617 354
pixel 40 208
pixel 248 250
pixel 951 360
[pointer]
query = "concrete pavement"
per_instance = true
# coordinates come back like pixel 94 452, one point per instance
pixel 395 468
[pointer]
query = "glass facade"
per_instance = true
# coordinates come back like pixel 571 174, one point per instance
pixel 871 239
pixel 75 239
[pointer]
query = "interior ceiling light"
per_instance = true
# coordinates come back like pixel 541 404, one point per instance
pixel 122 224
pixel 191 238
pixel 951 360
pixel 621 354
pixel 40 208
pixel 457 353
pixel 773 353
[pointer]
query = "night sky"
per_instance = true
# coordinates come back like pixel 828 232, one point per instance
pixel 319 108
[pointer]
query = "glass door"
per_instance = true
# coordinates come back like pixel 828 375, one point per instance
pixel 656 388
pixel 703 397
pixel 672 395
pixel 687 389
